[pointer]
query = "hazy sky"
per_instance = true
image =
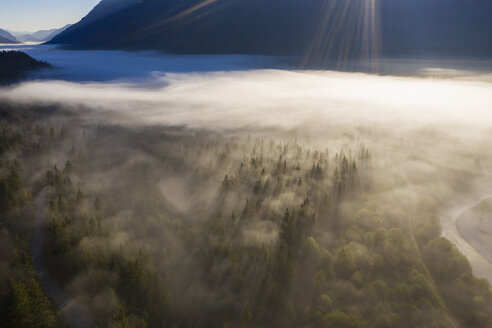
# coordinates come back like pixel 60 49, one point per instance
pixel 33 15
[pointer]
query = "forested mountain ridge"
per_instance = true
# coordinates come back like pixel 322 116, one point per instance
pixel 289 27
pixel 277 233
pixel 15 65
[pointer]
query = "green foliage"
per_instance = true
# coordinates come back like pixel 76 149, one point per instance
pixel 447 263
pixel 12 193
pixel 344 264
pixel 343 320
pixel 204 231
pixel 29 307
pixel 466 296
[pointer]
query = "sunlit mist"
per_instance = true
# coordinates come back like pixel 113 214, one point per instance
pixel 274 97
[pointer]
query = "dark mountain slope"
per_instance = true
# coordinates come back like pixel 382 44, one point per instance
pixel 55 32
pixel 15 65
pixel 107 7
pixel 104 9
pixel 6 37
pixel 289 27
pixel 220 27
pixel 437 27
pixel 4 40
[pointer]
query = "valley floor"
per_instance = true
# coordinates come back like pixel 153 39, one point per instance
pixel 162 225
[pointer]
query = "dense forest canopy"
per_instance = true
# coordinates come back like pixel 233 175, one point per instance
pixel 169 226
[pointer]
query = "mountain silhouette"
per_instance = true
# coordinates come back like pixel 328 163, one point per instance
pixel 320 28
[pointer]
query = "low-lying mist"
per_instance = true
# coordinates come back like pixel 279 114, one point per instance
pixel 276 98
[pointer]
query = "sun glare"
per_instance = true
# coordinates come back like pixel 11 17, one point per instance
pixel 348 32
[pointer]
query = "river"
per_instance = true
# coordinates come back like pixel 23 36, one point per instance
pixel 481 266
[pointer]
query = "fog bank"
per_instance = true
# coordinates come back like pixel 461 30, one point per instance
pixel 229 100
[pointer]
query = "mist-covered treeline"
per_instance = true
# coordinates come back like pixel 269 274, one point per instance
pixel 168 226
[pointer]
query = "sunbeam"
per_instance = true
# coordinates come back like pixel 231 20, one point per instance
pixel 347 33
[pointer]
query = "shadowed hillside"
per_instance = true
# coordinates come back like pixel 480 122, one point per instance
pixel 5 40
pixel 6 37
pixel 15 65
pixel 327 30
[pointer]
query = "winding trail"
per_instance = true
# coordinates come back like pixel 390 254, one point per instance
pixel 482 268
pixel 75 314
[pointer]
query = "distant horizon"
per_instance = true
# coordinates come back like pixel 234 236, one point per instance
pixel 35 31
pixel 28 16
